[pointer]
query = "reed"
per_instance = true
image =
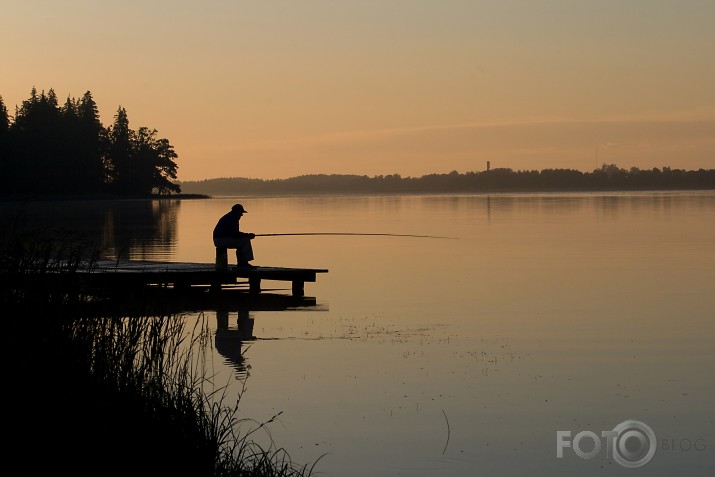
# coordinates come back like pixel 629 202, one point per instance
pixel 115 394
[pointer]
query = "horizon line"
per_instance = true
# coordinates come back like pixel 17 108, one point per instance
pixel 328 174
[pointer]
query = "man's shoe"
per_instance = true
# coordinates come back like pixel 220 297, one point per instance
pixel 245 265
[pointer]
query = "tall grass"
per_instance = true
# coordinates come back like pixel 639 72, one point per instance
pixel 114 394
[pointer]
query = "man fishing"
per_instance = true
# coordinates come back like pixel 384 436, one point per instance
pixel 227 234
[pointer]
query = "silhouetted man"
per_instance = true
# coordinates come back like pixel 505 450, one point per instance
pixel 227 234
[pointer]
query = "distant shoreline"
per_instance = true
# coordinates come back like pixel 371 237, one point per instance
pixel 416 193
pixel 609 178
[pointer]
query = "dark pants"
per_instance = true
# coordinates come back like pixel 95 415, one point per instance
pixel 244 250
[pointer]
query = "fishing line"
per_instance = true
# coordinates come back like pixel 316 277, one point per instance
pixel 357 233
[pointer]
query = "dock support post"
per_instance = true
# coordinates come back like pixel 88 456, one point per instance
pixel 221 259
pixel 254 285
pixel 221 319
pixel 298 288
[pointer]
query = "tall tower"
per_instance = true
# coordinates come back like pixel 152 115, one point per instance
pixel 488 164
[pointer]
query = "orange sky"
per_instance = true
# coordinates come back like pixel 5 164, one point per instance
pixel 282 88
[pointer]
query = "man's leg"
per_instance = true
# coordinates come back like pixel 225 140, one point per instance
pixel 244 251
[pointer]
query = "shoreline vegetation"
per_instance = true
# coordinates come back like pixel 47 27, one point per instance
pixel 48 150
pixel 609 177
pixel 109 393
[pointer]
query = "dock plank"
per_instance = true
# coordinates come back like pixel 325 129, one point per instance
pixel 122 276
pixel 143 272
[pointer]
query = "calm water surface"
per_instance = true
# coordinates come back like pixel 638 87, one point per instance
pixel 558 312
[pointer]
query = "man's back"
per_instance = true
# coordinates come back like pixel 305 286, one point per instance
pixel 227 226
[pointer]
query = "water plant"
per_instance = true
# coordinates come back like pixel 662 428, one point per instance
pixel 112 393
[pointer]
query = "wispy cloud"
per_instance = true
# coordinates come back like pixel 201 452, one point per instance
pixel 679 119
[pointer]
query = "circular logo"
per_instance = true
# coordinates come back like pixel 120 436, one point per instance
pixel 635 444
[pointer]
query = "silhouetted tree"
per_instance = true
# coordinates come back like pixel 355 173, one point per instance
pixel 6 161
pixel 70 147
pixel 164 167
pixel 37 132
pixel 4 119
pixel 51 150
pixel 145 160
pixel 139 162
pixel 121 170
pixel 92 140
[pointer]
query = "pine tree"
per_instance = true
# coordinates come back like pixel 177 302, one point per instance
pixel 140 163
pixel 4 119
pixel 37 134
pixel 120 168
pixel 93 139
pixel 6 160
pixel 73 183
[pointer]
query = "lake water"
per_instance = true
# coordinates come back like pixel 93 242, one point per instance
pixel 423 357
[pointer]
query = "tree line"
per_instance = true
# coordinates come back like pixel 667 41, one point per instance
pixel 607 177
pixel 50 150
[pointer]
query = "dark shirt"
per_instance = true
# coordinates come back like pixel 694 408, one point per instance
pixel 227 226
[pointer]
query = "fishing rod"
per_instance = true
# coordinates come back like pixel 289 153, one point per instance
pixel 357 233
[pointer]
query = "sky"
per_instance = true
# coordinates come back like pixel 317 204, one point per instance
pixel 275 89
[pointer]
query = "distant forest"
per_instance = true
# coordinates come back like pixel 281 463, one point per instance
pixel 608 177
pixel 48 150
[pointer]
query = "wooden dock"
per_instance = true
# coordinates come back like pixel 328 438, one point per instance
pixel 183 275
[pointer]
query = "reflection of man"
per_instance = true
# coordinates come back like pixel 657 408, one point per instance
pixel 227 235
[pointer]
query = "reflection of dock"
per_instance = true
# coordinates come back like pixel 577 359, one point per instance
pixel 236 300
pixel 183 275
